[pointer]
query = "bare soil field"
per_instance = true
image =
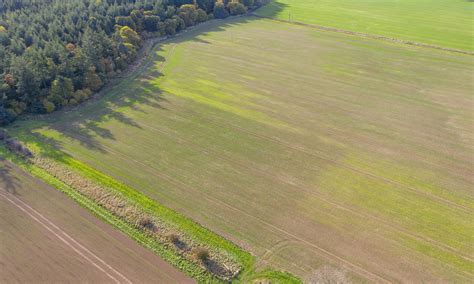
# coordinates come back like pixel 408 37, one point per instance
pixel 46 237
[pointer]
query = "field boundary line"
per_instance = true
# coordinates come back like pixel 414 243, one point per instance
pixel 279 246
pixel 75 245
pixel 274 249
pixel 165 60
pixel 365 35
pixel 356 268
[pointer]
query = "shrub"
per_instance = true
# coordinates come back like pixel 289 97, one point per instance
pixel 92 79
pixel 201 254
pixel 61 90
pixel 201 16
pixel 188 13
pixel 26 152
pixel 220 12
pixel 4 39
pixel 173 238
pixel 146 222
pixel 248 3
pixel 128 35
pixel 3 135
pixel 125 21
pixel 17 148
pixel 48 106
pixel 236 8
pixel 161 28
pixel 6 116
pixel 206 5
pixel 170 26
pixel 81 95
pixel 17 107
pixel 181 25
pixel 151 23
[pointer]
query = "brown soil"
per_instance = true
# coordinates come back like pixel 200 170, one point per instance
pixel 46 237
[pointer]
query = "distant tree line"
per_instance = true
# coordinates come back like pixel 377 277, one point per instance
pixel 55 53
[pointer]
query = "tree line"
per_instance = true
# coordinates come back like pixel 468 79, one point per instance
pixel 55 53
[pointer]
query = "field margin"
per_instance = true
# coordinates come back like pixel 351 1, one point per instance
pixel 365 35
pixel 195 230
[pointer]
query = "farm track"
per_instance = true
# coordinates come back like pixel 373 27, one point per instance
pixel 278 246
pixel 69 241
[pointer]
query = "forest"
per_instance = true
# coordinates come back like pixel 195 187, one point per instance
pixel 55 53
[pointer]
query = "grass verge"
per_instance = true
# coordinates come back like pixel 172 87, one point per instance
pixel 189 227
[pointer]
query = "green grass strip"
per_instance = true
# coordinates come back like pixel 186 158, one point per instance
pixel 191 228
pixel 167 254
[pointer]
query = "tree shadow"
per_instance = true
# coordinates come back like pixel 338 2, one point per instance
pixel 7 179
pixel 179 244
pixel 84 124
pixel 217 268
pixel 271 9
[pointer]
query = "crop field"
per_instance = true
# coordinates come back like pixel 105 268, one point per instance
pixel 67 243
pixel 446 23
pixel 311 149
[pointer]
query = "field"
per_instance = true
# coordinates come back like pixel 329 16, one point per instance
pixel 446 23
pixel 67 243
pixel 308 148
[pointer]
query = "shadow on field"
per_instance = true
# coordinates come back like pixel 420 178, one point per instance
pixel 85 123
pixel 273 8
pixel 7 180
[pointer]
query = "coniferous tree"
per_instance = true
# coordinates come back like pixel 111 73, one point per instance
pixel 56 52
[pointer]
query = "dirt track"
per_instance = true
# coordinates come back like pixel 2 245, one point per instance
pixel 48 238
